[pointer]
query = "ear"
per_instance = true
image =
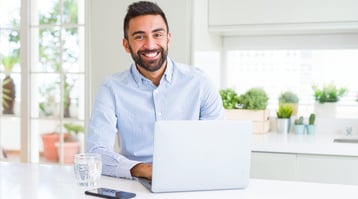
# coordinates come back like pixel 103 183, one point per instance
pixel 169 38
pixel 125 45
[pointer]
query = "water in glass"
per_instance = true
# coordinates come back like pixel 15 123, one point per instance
pixel 88 168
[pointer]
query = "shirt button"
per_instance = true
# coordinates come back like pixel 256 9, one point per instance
pixel 160 113
pixel 156 91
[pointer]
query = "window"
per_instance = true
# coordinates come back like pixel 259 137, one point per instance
pixel 10 75
pixel 296 70
pixel 55 70
pixel 279 63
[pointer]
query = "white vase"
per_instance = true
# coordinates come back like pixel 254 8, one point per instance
pixel 325 110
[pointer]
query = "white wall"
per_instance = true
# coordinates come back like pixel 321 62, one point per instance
pixel 206 47
pixel 106 54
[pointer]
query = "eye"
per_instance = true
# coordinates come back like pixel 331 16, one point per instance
pixel 139 37
pixel 158 35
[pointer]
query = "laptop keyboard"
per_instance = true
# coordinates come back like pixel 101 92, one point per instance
pixel 145 182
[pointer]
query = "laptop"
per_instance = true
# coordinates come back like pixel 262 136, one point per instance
pixel 198 155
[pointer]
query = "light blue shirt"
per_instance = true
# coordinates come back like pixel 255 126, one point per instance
pixel 128 104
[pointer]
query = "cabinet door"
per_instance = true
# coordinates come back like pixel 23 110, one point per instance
pixel 273 166
pixel 273 12
pixel 328 169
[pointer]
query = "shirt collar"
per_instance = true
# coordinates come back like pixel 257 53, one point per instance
pixel 140 79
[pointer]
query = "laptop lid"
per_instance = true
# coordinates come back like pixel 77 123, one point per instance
pixel 195 155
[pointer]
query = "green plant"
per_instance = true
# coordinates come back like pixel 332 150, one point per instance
pixel 254 99
pixel 73 128
pixel 328 93
pixel 9 62
pixel 284 111
pixel 299 121
pixel 288 97
pixel 312 119
pixel 229 98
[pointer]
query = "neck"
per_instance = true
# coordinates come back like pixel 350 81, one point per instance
pixel 155 76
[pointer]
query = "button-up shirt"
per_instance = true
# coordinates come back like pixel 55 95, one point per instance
pixel 128 104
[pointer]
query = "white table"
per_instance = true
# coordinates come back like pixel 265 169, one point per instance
pixel 32 181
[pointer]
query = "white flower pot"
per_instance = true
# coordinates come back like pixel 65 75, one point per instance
pixel 325 110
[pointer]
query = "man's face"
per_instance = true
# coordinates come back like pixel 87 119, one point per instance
pixel 148 42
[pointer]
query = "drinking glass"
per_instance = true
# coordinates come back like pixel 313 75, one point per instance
pixel 88 168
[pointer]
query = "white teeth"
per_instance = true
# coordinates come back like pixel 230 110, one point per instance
pixel 153 54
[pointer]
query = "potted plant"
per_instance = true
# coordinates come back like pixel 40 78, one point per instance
pixel 229 98
pixel 254 99
pixel 326 99
pixel 8 85
pixel 311 124
pixel 248 106
pixel 71 144
pixel 284 114
pixel 299 127
pixel 290 98
pixel 253 105
pixel 49 141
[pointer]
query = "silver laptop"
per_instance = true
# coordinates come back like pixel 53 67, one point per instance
pixel 194 155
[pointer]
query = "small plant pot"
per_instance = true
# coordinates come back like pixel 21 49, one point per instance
pixel 283 125
pixel 299 129
pixel 310 129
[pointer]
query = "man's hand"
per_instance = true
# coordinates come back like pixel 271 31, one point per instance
pixel 142 170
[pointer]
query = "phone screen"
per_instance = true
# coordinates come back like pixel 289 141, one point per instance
pixel 110 193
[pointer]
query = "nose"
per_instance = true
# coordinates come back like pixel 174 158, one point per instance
pixel 149 42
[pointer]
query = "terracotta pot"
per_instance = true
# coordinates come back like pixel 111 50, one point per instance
pixel 50 150
pixel 69 150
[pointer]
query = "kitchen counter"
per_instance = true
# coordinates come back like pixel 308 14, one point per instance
pixel 320 144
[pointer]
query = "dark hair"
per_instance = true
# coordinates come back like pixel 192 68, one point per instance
pixel 139 9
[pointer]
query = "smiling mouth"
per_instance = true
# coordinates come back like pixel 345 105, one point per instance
pixel 150 54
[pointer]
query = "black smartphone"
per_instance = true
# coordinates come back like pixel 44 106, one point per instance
pixel 110 193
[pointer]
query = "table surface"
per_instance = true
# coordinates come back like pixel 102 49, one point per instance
pixel 25 180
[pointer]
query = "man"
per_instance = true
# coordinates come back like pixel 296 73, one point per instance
pixel 154 88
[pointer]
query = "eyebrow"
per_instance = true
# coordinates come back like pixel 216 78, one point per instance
pixel 142 32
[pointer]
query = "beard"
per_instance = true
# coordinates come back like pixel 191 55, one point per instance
pixel 151 65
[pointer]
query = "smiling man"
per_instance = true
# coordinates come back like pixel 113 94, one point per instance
pixel 154 88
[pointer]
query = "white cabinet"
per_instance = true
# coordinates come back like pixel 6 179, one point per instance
pixel 330 169
pixel 273 166
pixel 305 167
pixel 259 15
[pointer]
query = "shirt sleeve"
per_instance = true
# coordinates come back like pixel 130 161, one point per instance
pixel 102 134
pixel 211 107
